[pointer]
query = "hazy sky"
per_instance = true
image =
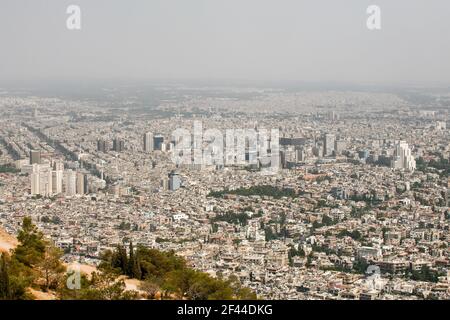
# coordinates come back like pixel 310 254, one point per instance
pixel 279 40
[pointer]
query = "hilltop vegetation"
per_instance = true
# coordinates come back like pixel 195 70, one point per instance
pixel 168 274
pixel 36 264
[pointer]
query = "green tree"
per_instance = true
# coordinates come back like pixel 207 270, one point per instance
pixel 5 290
pixel 31 248
pixel 51 267
pixel 134 266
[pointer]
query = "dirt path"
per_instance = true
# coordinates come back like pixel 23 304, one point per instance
pixel 7 242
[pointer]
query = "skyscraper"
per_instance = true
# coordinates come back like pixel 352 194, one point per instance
pixel 300 154
pixel 71 182
pixel 35 183
pixel 35 156
pixel 80 183
pixel 158 140
pixel 118 145
pixel 403 158
pixel 57 181
pixel 41 180
pixel 328 146
pixel 148 142
pixel 45 182
pixel 339 146
pixel 101 146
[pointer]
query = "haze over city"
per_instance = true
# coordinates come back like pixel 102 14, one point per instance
pixel 252 40
pixel 266 150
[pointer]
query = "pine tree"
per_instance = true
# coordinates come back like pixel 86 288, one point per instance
pixel 5 290
pixel 31 248
pixel 134 265
pixel 131 262
pixel 136 271
pixel 123 259
pixel 119 259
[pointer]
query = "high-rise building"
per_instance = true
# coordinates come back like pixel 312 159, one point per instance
pixel 158 140
pixel 35 156
pixel 102 146
pixel 403 158
pixel 81 183
pixel 339 146
pixel 118 145
pixel 58 165
pixel 70 182
pixel 174 181
pixel 148 142
pixel 300 155
pixel 57 181
pixel 35 189
pixel 283 159
pixel 86 184
pixel 45 182
pixel 328 145
pixel 41 180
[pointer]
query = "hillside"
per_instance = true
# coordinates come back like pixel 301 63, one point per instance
pixel 34 269
pixel 7 242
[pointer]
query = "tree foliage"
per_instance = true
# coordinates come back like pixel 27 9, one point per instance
pixel 169 274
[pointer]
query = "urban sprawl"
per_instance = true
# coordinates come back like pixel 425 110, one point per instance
pixel 355 204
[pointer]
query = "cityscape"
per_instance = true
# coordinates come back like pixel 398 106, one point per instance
pixel 361 185
pixel 224 158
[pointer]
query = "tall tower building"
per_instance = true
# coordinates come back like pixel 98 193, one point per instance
pixel 46 182
pixel 35 156
pixel 300 155
pixel 101 146
pixel 71 182
pixel 41 180
pixel 35 189
pixel 328 146
pixel 86 184
pixel 148 142
pixel 80 183
pixel 339 146
pixel 58 165
pixel 403 158
pixel 158 141
pixel 57 181
pixel 118 145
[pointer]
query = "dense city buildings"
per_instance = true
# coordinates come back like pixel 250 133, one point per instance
pixel 102 146
pixel 148 142
pixel 35 157
pixel 403 158
pixel 158 142
pixel 352 204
